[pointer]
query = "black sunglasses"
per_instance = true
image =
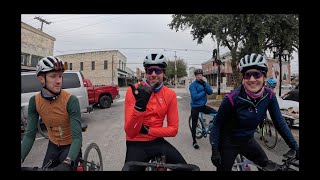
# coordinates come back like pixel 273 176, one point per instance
pixel 156 70
pixel 255 74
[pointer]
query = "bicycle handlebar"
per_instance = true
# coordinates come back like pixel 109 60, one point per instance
pixel 190 167
pixel 291 161
pixel 36 169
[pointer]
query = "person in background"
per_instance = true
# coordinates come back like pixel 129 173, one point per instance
pixel 199 90
pixel 271 83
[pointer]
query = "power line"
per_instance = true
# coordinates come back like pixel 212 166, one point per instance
pixel 172 49
pixel 89 25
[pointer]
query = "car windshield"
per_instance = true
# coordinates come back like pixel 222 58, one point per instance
pixel 292 95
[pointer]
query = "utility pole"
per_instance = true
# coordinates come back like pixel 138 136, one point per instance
pixel 175 70
pixel 218 62
pixel 42 21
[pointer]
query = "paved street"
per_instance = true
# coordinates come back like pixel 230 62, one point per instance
pixel 105 127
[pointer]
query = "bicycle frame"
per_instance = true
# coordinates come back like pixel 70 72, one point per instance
pixel 205 129
pixel 242 164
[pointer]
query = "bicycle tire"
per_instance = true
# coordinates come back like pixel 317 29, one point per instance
pixel 92 165
pixel 200 127
pixel 43 129
pixel 270 136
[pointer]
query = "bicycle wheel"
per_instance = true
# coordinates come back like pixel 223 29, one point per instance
pixel 270 136
pixel 200 127
pixel 237 166
pixel 42 129
pixel 92 164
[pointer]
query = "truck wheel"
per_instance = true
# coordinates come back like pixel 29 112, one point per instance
pixel 105 101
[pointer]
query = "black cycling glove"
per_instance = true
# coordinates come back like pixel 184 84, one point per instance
pixel 215 157
pixel 144 129
pixel 142 95
pixel 63 167
pixel 202 82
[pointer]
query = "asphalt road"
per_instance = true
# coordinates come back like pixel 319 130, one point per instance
pixel 106 128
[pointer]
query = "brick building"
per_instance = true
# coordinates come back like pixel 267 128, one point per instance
pixel 210 71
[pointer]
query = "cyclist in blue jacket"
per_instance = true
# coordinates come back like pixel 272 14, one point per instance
pixel 199 90
pixel 239 114
pixel 271 83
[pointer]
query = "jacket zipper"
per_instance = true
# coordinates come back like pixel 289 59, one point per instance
pixel 255 106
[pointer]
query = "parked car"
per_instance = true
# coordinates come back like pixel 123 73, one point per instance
pixel 72 82
pixel 286 86
pixel 292 95
pixel 101 95
pixel 289 106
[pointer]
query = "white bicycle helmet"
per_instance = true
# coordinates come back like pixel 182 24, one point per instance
pixel 50 63
pixel 253 61
pixel 155 59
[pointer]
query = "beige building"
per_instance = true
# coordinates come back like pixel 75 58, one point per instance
pixel 140 73
pixel 101 67
pixel 35 45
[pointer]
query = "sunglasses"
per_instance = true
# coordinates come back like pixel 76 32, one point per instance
pixel 255 74
pixel 156 70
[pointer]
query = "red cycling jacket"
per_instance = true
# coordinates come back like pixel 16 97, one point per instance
pixel 160 104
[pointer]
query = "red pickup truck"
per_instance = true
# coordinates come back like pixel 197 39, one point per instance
pixel 101 95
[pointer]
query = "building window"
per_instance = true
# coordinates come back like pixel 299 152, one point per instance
pixel 93 65
pixel 24 59
pixel 81 66
pixel 70 66
pixel 34 60
pixel 119 64
pixel 105 64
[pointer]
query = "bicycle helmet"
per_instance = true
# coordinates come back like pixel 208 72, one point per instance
pixel 253 61
pixel 50 63
pixel 155 59
pixel 272 83
pixel 198 71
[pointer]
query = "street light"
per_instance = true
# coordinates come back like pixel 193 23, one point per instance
pixel 218 62
pixel 279 53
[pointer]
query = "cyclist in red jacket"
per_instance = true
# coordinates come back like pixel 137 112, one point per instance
pixel 147 103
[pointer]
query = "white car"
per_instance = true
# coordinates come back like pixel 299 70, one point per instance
pixel 287 106
pixel 286 86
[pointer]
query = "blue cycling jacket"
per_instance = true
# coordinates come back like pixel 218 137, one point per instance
pixel 238 118
pixel 199 93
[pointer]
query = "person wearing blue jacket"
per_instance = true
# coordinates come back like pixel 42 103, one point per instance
pixel 199 90
pixel 239 114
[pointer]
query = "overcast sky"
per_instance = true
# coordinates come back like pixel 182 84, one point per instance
pixel 133 35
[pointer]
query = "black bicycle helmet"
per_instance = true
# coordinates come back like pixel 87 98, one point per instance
pixel 198 71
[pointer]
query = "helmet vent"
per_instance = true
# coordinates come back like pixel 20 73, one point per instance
pixel 153 56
